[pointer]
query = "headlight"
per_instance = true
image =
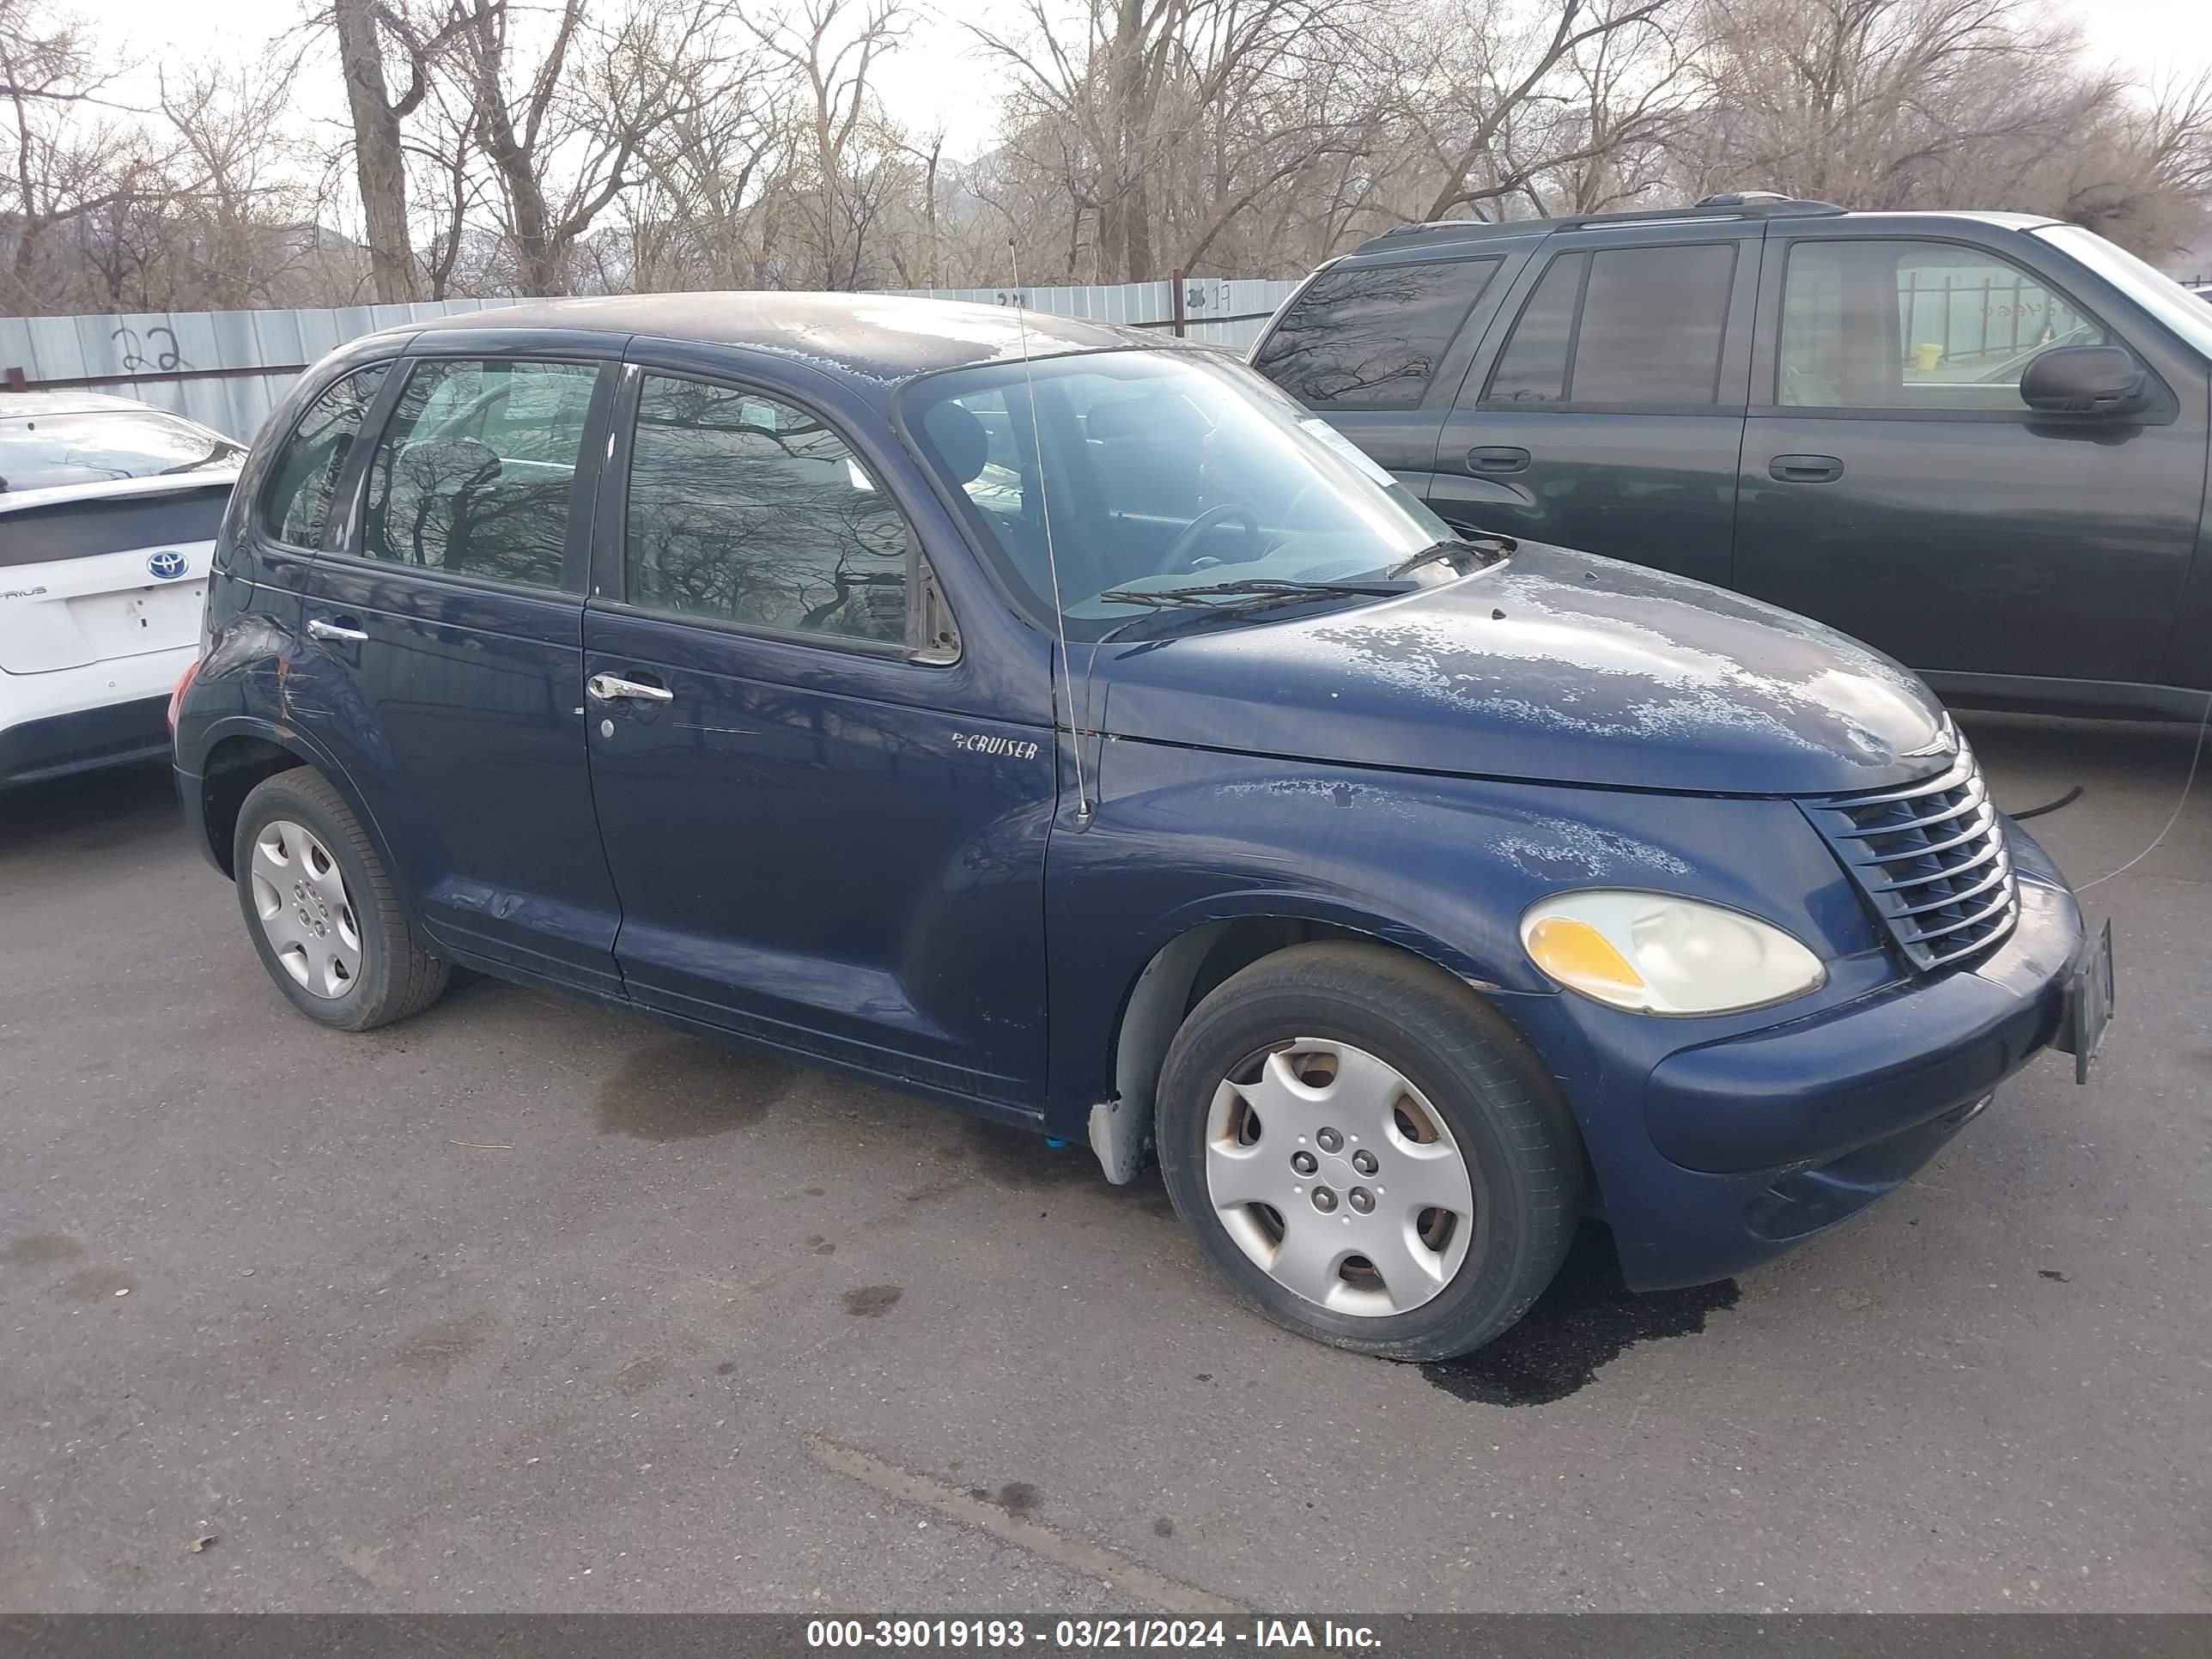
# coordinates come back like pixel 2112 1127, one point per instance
pixel 1653 953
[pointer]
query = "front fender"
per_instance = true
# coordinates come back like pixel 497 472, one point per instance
pixel 1440 866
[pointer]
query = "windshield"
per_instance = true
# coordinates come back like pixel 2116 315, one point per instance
pixel 2148 287
pixel 38 451
pixel 1163 471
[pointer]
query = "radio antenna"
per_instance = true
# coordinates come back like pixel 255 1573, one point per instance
pixel 1082 801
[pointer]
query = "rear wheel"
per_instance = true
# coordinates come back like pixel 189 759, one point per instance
pixel 1365 1153
pixel 322 910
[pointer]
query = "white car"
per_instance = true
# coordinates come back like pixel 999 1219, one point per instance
pixel 108 513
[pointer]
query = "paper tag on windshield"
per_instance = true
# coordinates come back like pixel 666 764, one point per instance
pixel 1344 446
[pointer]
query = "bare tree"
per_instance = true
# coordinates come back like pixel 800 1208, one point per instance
pixel 561 124
pixel 1142 100
pixel 68 160
pixel 1485 113
pixel 369 31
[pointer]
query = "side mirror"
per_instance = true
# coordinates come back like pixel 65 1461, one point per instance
pixel 2091 379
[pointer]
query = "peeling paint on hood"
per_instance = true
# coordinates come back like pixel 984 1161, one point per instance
pixel 1556 666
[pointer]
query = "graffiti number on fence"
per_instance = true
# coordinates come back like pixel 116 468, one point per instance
pixel 166 360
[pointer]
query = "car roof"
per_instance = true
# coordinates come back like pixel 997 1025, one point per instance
pixel 20 405
pixel 1445 233
pixel 878 338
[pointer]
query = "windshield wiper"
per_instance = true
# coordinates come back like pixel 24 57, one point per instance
pixel 1235 598
pixel 1255 586
pixel 1486 550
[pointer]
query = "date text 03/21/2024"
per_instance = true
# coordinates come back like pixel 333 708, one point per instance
pixel 1006 1635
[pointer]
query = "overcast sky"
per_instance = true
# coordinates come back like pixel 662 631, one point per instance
pixel 938 81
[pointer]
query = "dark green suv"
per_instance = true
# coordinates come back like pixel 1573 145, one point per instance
pixel 1977 440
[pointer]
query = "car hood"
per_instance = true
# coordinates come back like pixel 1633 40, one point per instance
pixel 1553 666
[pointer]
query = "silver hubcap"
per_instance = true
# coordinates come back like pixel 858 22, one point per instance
pixel 1334 1174
pixel 306 912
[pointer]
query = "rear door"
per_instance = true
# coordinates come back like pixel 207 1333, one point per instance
pixel 1605 410
pixel 1367 346
pixel 443 666
pixel 825 832
pixel 1894 486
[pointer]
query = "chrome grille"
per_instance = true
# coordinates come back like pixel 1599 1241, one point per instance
pixel 1930 859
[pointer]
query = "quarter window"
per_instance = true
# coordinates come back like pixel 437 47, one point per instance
pixel 474 470
pixel 1621 326
pixel 1532 367
pixel 298 504
pixel 744 509
pixel 1369 336
pixel 1915 326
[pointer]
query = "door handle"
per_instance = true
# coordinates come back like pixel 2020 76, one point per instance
pixel 1805 469
pixel 1498 458
pixel 613 688
pixel 342 633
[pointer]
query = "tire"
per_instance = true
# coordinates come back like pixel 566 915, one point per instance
pixel 1320 1035
pixel 337 943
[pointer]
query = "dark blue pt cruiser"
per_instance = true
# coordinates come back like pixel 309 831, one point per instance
pixel 1061 723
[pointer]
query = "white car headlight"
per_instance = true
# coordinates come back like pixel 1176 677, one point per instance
pixel 1654 953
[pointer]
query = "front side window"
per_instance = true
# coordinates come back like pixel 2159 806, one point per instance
pixel 1887 324
pixel 95 446
pixel 2184 310
pixel 474 472
pixel 1621 326
pixel 746 510
pixel 1369 336
pixel 298 502
pixel 1130 474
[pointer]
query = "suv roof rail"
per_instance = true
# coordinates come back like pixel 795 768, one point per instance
pixel 1734 204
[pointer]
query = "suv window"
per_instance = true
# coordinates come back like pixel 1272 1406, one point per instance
pixel 1885 324
pixel 744 509
pixel 298 501
pixel 475 468
pixel 1370 335
pixel 1630 326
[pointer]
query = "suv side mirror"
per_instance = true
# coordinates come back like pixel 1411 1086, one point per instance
pixel 2090 379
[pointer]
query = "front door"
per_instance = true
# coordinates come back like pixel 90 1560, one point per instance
pixel 1607 415
pixel 443 665
pixel 815 842
pixel 1894 486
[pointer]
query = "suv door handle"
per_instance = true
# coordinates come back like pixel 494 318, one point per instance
pixel 1498 458
pixel 342 633
pixel 613 688
pixel 1805 469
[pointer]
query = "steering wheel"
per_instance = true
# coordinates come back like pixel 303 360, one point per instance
pixel 1177 557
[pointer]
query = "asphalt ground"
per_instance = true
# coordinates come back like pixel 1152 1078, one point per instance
pixel 522 1305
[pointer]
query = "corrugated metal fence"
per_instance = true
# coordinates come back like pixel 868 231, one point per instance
pixel 227 368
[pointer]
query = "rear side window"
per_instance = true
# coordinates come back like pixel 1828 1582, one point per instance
pixel 744 509
pixel 1898 324
pixel 475 469
pixel 1369 336
pixel 1639 326
pixel 297 504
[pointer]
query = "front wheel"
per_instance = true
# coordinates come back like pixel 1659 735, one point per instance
pixel 1359 1147
pixel 322 911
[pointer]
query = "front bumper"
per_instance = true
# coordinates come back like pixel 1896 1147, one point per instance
pixel 1717 1157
